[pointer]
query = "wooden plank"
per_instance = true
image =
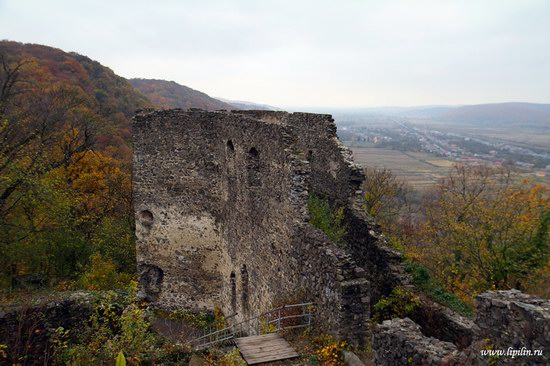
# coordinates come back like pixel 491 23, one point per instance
pixel 259 339
pixel 252 356
pixel 265 348
pixel 261 344
pixel 286 354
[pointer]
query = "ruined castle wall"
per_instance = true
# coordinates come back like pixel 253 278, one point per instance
pixel 401 342
pixel 177 195
pixel 227 196
pixel 222 218
pixel 333 174
pixel 265 194
pixel 383 265
pixel 218 190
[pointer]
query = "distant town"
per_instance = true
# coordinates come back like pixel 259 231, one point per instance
pixel 404 135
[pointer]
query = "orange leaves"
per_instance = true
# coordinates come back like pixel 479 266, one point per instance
pixel 482 230
pixel 99 185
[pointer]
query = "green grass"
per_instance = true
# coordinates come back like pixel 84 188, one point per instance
pixel 429 286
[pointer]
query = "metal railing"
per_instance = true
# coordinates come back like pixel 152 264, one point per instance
pixel 286 317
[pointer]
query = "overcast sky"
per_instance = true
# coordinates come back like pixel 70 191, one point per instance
pixel 347 53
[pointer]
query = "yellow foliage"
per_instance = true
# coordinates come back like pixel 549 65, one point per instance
pixel 99 184
pixel 219 318
pixel 330 350
pixel 3 351
pixel 482 231
pixel 103 275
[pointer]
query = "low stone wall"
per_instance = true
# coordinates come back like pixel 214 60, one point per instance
pixel 27 330
pixel 400 342
pixel 512 319
pixel 442 323
pixel 507 322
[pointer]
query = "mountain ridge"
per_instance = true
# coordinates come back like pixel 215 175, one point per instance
pixel 170 94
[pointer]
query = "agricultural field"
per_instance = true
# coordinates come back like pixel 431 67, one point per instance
pixel 521 136
pixel 421 170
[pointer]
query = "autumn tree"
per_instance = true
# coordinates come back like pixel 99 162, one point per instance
pixel 43 128
pixel 387 199
pixel 61 200
pixel 484 229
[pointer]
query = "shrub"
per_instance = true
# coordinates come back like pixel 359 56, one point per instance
pixel 103 275
pixel 329 350
pixel 116 326
pixel 328 219
pixel 399 304
pixel 232 358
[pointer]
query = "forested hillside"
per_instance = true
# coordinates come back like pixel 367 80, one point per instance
pixel 65 169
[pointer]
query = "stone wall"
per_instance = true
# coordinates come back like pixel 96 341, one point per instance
pixel 222 219
pixel 514 319
pixel 400 342
pixel 27 331
pixel 442 323
pixel 505 321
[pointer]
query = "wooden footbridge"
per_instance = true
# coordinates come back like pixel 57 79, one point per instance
pixel 258 338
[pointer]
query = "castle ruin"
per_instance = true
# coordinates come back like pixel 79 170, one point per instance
pixel 221 202
pixel 222 216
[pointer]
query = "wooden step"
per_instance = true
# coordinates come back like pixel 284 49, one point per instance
pixel 265 348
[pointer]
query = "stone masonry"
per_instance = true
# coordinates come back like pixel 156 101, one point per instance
pixel 222 217
pixel 506 322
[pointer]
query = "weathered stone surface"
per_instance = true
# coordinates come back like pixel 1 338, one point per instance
pixel 514 319
pixel 222 219
pixel 351 359
pixel 400 342
pixel 442 323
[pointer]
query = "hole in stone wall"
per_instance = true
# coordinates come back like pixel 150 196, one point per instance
pixel 230 146
pixel 233 283
pixel 253 167
pixel 150 279
pixel 146 217
pixel 244 284
pixel 309 156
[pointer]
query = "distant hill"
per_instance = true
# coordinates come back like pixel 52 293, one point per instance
pixel 496 114
pixel 501 114
pixel 247 106
pixel 410 112
pixel 169 94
